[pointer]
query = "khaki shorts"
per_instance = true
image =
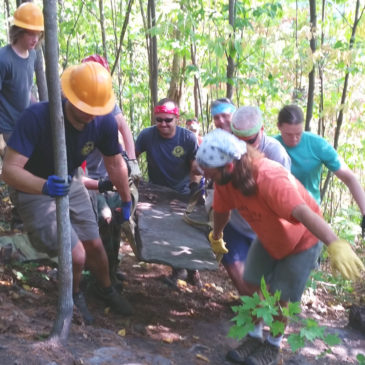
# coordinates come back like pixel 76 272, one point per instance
pixel 38 213
pixel 288 275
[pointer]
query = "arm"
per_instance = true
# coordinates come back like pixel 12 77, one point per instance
pixel 350 180
pixel 127 135
pixel 314 223
pixel 219 222
pixel 118 174
pixel 195 172
pixel 16 176
pixel 90 183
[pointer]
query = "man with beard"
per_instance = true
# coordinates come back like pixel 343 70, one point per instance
pixel 289 227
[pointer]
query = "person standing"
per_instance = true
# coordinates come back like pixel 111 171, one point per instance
pixel 17 61
pixel 171 161
pixel 29 169
pixel 289 227
pixel 310 152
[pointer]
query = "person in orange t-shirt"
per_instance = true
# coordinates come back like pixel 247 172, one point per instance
pixel 288 224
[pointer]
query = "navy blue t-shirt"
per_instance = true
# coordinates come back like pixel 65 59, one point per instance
pixel 32 138
pixel 168 159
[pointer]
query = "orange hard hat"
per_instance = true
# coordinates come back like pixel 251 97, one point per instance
pixel 29 16
pixel 88 87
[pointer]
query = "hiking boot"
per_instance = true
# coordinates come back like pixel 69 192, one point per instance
pixel 177 274
pixel 80 303
pixel 243 351
pixel 194 278
pixel 114 300
pixel 266 354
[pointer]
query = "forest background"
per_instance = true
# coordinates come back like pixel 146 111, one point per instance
pixel 262 53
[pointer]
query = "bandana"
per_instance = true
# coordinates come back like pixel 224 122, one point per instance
pixel 246 132
pixel 223 108
pixel 165 109
pixel 219 148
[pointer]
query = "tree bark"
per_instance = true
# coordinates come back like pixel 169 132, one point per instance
pixel 122 34
pixel 102 28
pixel 62 323
pixel 311 76
pixel 339 121
pixel 230 60
pixel 152 57
pixel 41 77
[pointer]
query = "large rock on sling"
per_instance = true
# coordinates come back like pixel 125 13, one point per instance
pixel 162 235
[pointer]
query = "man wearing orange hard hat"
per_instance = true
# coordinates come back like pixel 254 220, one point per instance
pixel 17 61
pixel 29 169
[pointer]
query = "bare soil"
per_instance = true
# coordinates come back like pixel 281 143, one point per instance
pixel 183 326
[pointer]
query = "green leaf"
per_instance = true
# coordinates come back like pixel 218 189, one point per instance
pixel 295 341
pixel 332 340
pixel 312 330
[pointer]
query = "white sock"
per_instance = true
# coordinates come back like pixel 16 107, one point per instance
pixel 276 341
pixel 258 331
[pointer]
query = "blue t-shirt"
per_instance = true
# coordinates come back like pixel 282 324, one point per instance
pixel 307 159
pixel 32 138
pixel 168 159
pixel 95 162
pixel 16 80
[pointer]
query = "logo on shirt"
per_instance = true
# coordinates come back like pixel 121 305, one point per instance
pixel 88 147
pixel 178 151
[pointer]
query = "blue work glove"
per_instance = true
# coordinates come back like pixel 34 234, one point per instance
pixel 104 185
pixel 123 213
pixel 56 186
pixel 363 226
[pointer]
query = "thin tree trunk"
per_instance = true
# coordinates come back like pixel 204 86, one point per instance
pixel 62 323
pixel 230 61
pixel 122 34
pixel 41 76
pixel 311 76
pixel 102 28
pixel 152 59
pixel 339 121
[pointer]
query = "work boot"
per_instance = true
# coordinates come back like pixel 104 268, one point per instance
pixel 266 354
pixel 80 303
pixel 242 352
pixel 114 300
pixel 194 278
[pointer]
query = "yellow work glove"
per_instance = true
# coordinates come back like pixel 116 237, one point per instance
pixel 344 260
pixel 218 246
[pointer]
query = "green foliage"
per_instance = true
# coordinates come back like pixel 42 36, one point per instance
pixel 361 359
pixel 254 308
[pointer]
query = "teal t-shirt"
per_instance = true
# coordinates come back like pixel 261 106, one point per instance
pixel 307 159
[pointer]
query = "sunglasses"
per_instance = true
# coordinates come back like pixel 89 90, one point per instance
pixel 166 120
pixel 252 140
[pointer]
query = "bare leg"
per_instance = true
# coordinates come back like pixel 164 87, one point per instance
pixel 235 272
pixel 97 261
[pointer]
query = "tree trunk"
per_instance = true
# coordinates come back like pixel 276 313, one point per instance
pixel 339 121
pixel 174 92
pixel 41 77
pixel 152 57
pixel 65 304
pixel 311 76
pixel 230 61
pixel 102 28
pixel 122 34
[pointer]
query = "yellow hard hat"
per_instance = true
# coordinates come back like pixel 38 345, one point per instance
pixel 88 87
pixel 29 16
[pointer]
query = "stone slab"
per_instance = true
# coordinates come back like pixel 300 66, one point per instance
pixel 162 235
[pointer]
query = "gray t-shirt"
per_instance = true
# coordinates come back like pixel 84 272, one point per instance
pixel 273 150
pixel 16 80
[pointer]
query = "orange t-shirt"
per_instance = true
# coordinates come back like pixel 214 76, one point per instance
pixel 269 211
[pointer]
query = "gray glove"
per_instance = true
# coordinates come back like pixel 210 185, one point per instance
pixel 135 171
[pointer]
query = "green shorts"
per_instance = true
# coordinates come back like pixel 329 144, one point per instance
pixel 288 275
pixel 38 213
